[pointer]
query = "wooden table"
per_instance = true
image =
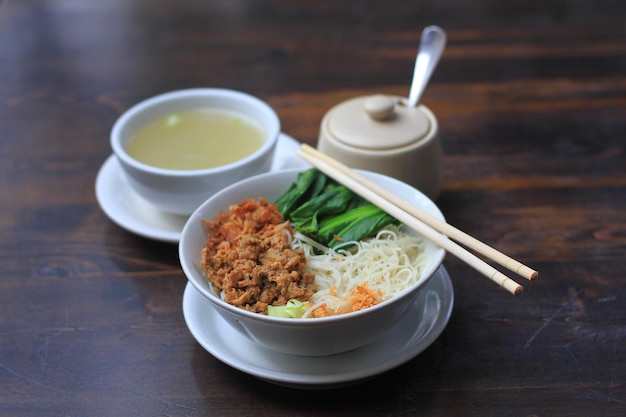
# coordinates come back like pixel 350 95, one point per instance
pixel 531 100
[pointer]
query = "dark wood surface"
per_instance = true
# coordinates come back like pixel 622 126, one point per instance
pixel 531 100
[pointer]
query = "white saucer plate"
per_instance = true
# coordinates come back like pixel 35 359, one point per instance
pixel 131 212
pixel 422 325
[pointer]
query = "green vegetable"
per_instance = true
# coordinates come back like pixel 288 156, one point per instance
pixel 333 200
pixel 354 225
pixel 292 310
pixel 329 212
pixel 308 184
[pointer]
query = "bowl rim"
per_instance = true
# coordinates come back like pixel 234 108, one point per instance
pixel 172 96
pixel 190 270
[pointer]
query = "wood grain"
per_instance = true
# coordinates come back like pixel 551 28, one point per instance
pixel 531 101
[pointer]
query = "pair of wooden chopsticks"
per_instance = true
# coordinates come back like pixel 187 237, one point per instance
pixel 427 225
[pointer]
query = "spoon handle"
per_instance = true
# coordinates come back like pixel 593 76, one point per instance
pixel 431 47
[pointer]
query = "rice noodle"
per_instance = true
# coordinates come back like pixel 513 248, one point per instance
pixel 390 262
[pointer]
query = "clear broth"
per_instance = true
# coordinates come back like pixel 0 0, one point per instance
pixel 196 139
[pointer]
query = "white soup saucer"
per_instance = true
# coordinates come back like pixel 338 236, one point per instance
pixel 128 210
pixel 421 326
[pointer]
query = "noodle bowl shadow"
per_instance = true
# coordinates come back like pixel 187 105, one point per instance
pixel 307 337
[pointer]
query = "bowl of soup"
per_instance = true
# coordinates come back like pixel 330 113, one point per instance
pixel 178 148
pixel 291 291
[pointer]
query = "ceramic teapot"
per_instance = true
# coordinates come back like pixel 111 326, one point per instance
pixel 382 133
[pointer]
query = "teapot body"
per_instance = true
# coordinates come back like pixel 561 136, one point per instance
pixel 405 145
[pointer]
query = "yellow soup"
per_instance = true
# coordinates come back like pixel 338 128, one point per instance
pixel 196 139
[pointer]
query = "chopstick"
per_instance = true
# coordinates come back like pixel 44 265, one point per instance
pixel 430 220
pixel 420 221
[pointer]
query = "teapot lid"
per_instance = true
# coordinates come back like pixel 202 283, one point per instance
pixel 378 122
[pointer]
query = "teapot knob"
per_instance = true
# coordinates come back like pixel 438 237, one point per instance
pixel 379 107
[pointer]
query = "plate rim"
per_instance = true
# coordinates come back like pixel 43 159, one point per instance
pixel 316 381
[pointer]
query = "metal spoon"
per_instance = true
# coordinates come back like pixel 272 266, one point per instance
pixel 431 47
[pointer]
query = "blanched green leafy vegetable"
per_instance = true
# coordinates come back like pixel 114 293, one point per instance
pixel 333 200
pixel 307 185
pixel 292 310
pixel 354 225
pixel 328 212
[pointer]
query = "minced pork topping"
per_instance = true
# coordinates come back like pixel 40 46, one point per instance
pixel 248 257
